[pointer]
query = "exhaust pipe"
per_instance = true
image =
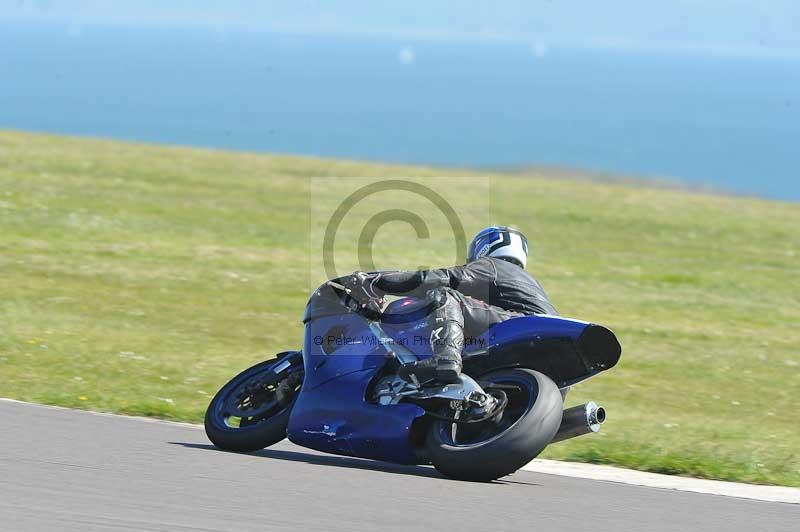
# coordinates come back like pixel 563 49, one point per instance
pixel 580 420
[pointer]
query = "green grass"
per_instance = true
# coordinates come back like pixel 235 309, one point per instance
pixel 138 279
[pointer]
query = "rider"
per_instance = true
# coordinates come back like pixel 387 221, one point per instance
pixel 492 287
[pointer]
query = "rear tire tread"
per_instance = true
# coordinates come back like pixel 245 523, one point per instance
pixel 510 450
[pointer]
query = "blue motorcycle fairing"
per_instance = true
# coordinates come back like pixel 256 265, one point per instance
pixel 537 326
pixel 566 350
pixel 342 356
pixel 336 345
pixel 335 418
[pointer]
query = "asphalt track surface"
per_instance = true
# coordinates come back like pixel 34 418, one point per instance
pixel 64 470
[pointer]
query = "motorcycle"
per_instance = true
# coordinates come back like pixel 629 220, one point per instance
pixel 341 394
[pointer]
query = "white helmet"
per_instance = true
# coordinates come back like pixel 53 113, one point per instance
pixel 500 242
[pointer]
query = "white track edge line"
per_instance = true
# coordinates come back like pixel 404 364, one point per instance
pixel 672 482
pixel 568 469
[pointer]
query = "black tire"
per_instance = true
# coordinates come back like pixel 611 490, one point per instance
pixel 532 426
pixel 259 434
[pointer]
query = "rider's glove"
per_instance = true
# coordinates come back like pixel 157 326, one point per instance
pixel 359 287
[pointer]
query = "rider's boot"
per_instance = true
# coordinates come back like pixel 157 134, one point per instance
pixel 447 341
pixel 442 369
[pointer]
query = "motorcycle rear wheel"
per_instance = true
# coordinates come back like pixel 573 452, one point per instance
pixel 493 449
pixel 246 414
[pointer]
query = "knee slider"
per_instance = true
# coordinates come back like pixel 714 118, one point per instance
pixel 438 295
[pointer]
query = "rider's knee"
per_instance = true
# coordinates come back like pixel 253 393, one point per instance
pixel 445 306
pixel 439 295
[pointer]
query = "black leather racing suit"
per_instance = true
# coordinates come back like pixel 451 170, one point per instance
pixel 467 300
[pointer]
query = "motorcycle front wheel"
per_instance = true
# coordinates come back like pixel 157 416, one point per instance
pixel 495 448
pixel 252 410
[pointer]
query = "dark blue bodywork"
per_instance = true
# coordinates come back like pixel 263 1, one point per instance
pixel 342 356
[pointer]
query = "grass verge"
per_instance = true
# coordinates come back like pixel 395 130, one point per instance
pixel 137 279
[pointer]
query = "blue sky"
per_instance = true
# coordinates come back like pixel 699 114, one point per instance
pixel 740 27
